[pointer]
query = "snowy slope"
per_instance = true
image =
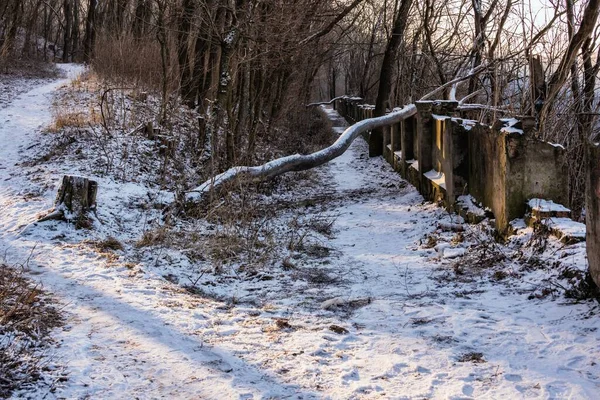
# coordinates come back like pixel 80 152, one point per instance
pixel 388 317
pixel 125 337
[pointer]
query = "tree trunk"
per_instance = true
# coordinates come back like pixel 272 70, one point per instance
pixel 67 9
pixel 164 57
pixel 141 19
pixel 586 29
pixel 11 32
pixel 188 94
pixel 90 32
pixel 386 74
pixel 220 107
pixel 75 32
pixel 538 84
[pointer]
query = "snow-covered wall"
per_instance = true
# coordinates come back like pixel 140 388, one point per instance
pixel 501 166
pixel 508 166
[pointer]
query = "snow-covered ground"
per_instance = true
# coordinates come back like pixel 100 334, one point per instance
pixel 394 307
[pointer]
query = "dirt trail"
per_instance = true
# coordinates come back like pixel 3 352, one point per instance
pixel 123 338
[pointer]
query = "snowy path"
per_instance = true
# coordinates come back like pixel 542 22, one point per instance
pixel 133 334
pixel 127 337
pixel 407 343
pixel 420 323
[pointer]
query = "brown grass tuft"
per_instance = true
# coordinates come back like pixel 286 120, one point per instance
pixel 26 317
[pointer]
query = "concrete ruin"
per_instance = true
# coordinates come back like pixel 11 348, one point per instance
pixel 446 156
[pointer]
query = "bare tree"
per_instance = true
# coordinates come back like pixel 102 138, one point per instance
pixel 386 74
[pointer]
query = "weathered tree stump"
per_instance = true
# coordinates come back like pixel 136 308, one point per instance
pixel 74 199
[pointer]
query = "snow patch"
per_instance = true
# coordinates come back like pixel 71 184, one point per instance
pixel 436 177
pixel 546 206
pixel 510 126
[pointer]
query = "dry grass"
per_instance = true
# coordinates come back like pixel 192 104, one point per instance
pixel 23 305
pixel 153 237
pixel 67 110
pixel 63 119
pixel 26 317
pixel 108 245
pixel 126 59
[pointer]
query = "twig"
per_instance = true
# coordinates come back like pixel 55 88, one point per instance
pixel 452 82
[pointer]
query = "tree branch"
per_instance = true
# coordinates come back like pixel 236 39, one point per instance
pixel 332 24
pixel 324 103
pixel 454 81
pixel 300 162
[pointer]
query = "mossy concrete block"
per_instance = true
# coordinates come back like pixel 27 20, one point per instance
pixel 508 166
pixel 534 169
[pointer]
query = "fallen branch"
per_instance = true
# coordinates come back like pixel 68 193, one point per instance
pixel 325 103
pixel 483 107
pixel 455 81
pixel 301 162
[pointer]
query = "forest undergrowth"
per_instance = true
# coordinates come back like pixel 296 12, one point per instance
pixel 246 229
pixel 27 317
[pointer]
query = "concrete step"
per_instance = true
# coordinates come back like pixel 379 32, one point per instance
pixel 556 218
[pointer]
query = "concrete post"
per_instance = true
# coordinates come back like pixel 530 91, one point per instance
pixel 425 129
pixel 395 144
pixel 424 135
pixel 424 144
pixel 407 135
pixel 388 153
pixel 448 162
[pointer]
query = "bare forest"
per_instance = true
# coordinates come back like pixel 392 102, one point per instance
pixel 193 173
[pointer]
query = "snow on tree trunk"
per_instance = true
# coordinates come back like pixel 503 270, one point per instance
pixel 300 162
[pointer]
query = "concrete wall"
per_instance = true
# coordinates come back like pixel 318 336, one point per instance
pixel 507 166
pixel 593 211
pixel 534 169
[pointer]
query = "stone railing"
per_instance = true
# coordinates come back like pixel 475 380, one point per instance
pixel 501 165
pixel 445 156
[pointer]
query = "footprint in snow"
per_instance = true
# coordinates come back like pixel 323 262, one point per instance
pixel 513 377
pixel 468 390
pixel 353 375
pixel 575 361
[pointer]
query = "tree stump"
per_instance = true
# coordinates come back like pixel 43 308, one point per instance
pixel 76 196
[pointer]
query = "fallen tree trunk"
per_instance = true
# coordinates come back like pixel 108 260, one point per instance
pixel 300 162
